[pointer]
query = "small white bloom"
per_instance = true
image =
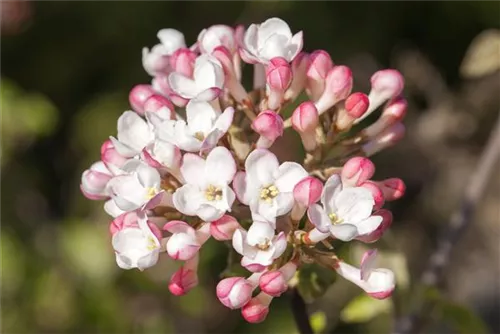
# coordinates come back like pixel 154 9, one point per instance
pixel 206 193
pixel 259 246
pixel 155 61
pixel 273 38
pixel 185 241
pixel 346 212
pixel 171 39
pixel 207 81
pixel 203 129
pixel 378 283
pixel 134 133
pixel 215 36
pixel 267 187
pixel 138 187
pixel 136 246
pixel 94 181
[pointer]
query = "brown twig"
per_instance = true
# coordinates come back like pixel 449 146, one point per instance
pixel 459 221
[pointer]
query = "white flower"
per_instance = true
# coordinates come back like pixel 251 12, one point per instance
pixel 157 61
pixel 346 212
pixel 136 246
pixel 259 246
pixel 134 133
pixel 207 81
pixel 204 127
pixel 185 241
pixel 171 39
pixel 378 283
pixel 94 181
pixel 273 38
pixel 138 187
pixel 206 193
pixel 215 36
pixel 267 187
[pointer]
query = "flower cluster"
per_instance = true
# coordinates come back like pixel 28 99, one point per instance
pixel 194 160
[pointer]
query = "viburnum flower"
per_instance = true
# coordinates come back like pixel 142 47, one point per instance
pixel 203 129
pixel 259 246
pixel 345 212
pixel 221 163
pixel 267 186
pixel 273 38
pixel 206 193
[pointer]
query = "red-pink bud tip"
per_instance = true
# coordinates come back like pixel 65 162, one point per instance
pixel 378 195
pixel 254 312
pixel 279 74
pixel 308 191
pixel 305 117
pixel 357 104
pixel 138 96
pixel 357 170
pixel 268 124
pixel 273 283
pixel 393 188
pixel 320 64
pixel 155 102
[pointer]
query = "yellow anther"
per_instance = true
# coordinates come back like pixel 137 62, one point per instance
pixel 268 193
pixel 335 219
pixel 199 135
pixel 264 245
pixel 151 244
pixel 151 192
pixel 213 194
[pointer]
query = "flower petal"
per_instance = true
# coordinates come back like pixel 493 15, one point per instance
pixel 240 187
pixel 182 85
pixel 319 218
pixel 209 213
pixel 367 263
pixel 354 204
pixel 260 166
pixel 344 232
pixel 288 175
pixel 200 116
pixel 369 225
pixel 193 169
pixel 330 191
pixel 220 167
pixel 188 199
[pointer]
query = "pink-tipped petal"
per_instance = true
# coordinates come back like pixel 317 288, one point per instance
pixel 138 96
pixel 393 188
pixel 378 195
pixel 234 292
pixel 279 74
pixel 273 283
pixel 357 104
pixel 257 309
pixel 269 125
pixel 356 171
pixel 308 191
pixel 223 228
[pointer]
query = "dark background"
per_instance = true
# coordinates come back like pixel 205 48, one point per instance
pixel 66 70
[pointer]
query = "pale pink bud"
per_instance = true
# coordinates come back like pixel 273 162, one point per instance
pixel 393 188
pixel 278 78
pixel 156 103
pixel 378 195
pixel 269 125
pixel 305 119
pixel 110 156
pixel 385 139
pixel 223 228
pixel 138 96
pixel 393 112
pixel 256 310
pixel 356 171
pixel 299 68
pixel 129 219
pixel 306 192
pixel 279 74
pixel 377 234
pixel 185 278
pixel 273 283
pixel 338 86
pixel 320 64
pixel 234 292
pixel 182 61
pixel 94 181
pixel 231 82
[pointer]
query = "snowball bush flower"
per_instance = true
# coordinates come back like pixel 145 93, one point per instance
pixel 200 155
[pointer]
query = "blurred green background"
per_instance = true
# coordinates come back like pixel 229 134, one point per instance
pixel 66 69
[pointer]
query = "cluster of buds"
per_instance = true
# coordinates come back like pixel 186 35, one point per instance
pixel 193 160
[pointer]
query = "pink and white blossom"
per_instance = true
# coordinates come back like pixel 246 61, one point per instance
pixel 134 133
pixel 185 278
pixel 185 241
pixel 216 36
pixel 257 309
pixel 223 228
pixel 95 180
pixel 275 282
pixel 235 292
pixel 206 193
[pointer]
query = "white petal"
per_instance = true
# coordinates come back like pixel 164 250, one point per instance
pixel 123 149
pixel 354 204
pixel 187 199
pixel 209 213
pixel 267 210
pixel 193 169
pixel 250 39
pixel 133 131
pixel 280 245
pixel 225 120
pixel 284 203
pixel 239 237
pixel 274 46
pixel 380 280
pixel 273 26
pixel 260 233
pixel 288 175
pixel 369 225
pixel 319 218
pixel 111 209
pixel 148 176
pixel 240 187
pixel 123 262
pixel 260 166
pixel 368 263
pixel 220 167
pixel 148 260
pixel 208 73
pixel 344 232
pixel 182 85
pixel 295 46
pixel 200 116
pixel 171 39
pixel 330 191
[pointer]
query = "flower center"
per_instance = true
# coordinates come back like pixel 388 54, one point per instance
pixel 268 193
pixel 151 244
pixel 150 193
pixel 199 135
pixel 213 193
pixel 334 219
pixel 264 245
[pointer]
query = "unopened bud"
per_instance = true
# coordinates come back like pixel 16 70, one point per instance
pixel 234 292
pixel 338 86
pixel 306 192
pixel 393 112
pixel 223 228
pixel 305 119
pixel 278 79
pixel 393 188
pixel 256 310
pixel 182 61
pixel 387 138
pixel 356 171
pixel 319 66
pixel 138 96
pixel 269 125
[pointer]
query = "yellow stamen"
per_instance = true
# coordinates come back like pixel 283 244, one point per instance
pixel 268 193
pixel 213 194
pixel 151 243
pixel 335 219
pixel 151 192
pixel 264 246
pixel 199 135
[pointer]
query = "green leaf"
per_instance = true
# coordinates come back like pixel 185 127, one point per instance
pixel 461 318
pixel 314 280
pixel 318 321
pixel 363 308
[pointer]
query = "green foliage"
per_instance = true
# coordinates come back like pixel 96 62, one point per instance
pixel 318 321
pixel 314 280
pixel 364 308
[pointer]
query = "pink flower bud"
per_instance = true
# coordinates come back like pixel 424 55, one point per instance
pixel 185 278
pixel 94 181
pixel 269 125
pixel 378 195
pixel 156 103
pixel 129 219
pixel 273 283
pixel 385 139
pixel 138 96
pixel 279 74
pixel 308 191
pixel 256 310
pixel 234 292
pixel 232 82
pixel 305 119
pixel 299 68
pixel 110 156
pixel 223 228
pixel 356 171
pixel 182 61
pixel 338 86
pixel 393 112
pixel 182 246
pixel 320 64
pixel 393 188
pixel 357 104
pixel 377 234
